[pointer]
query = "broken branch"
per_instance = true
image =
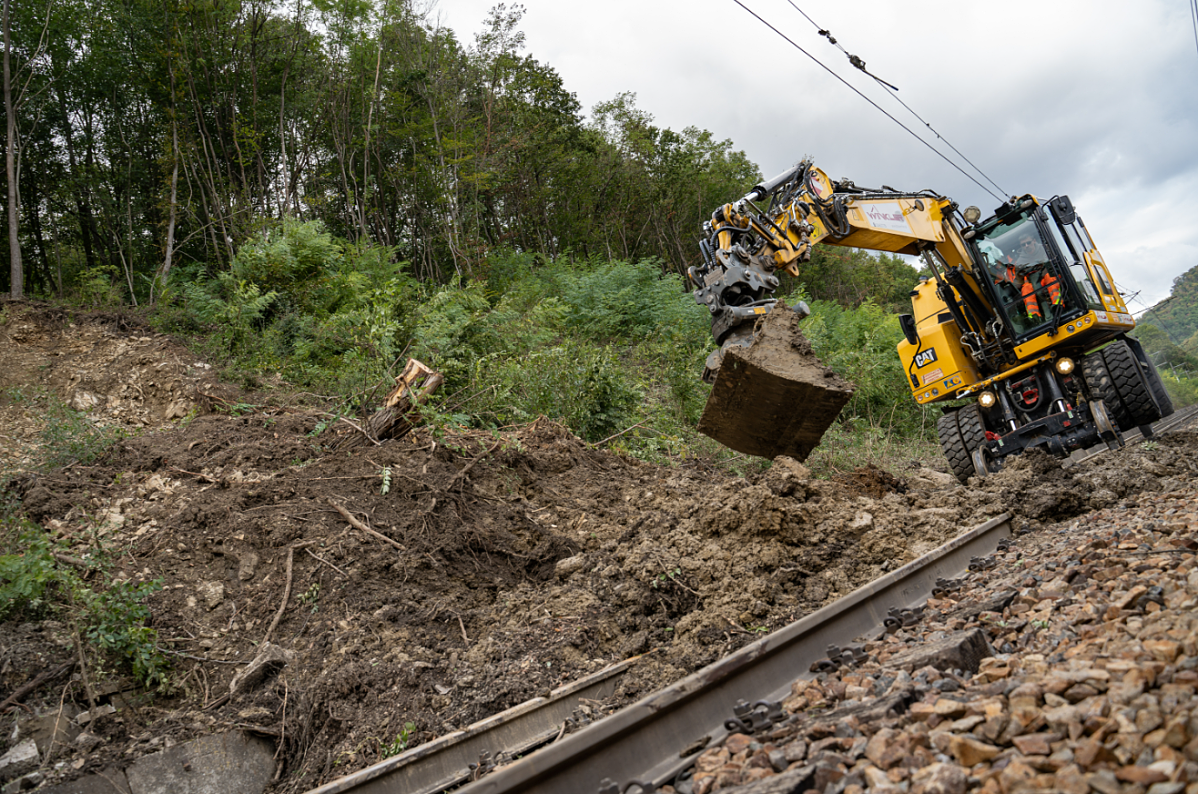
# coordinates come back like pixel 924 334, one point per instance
pixel 359 525
pixel 286 589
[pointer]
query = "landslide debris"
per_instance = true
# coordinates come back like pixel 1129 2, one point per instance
pixel 497 566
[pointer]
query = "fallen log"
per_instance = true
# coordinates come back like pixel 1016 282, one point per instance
pixel 399 413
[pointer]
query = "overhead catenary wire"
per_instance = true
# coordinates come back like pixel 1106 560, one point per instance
pixel 878 107
pixel 860 64
pixel 1194 20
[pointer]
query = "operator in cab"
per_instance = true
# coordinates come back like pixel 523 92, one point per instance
pixel 1030 259
pixel 1030 250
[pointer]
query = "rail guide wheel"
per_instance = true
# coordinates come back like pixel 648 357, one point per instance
pixel 1107 430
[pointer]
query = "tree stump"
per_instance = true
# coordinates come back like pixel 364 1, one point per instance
pixel 413 387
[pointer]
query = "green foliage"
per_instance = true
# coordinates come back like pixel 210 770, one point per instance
pixel 232 306
pixel 321 311
pixel 400 743
pixel 1163 351
pixel 452 332
pixel 1182 391
pixel 582 385
pixel 1177 316
pixel 25 577
pixel 859 345
pixel 110 615
pixel 115 618
pixel 310 598
pixel 851 277
pixel 627 300
pixel 69 435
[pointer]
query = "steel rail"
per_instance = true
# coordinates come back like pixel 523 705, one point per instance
pixel 446 761
pixel 1177 420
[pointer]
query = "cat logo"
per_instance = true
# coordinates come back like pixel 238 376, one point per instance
pixel 925 358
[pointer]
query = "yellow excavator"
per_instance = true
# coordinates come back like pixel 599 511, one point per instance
pixel 1019 326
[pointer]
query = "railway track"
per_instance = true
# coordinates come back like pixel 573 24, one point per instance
pixel 651 741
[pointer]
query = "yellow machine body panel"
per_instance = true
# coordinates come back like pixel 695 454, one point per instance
pixel 938 365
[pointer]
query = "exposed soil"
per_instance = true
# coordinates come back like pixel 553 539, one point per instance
pixel 513 562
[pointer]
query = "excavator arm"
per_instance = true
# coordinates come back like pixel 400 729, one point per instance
pixel 776 225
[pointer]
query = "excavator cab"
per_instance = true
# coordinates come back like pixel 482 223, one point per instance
pixel 1031 287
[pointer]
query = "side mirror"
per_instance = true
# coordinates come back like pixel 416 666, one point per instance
pixel 907 323
pixel 1062 209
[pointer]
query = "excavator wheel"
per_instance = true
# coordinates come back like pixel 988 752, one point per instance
pixel 1158 390
pixel 1102 387
pixel 1130 384
pixel 961 434
pixel 1153 379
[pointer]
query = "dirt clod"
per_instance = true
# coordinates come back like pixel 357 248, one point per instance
pixel 774 397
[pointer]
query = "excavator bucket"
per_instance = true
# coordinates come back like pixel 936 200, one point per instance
pixel 773 397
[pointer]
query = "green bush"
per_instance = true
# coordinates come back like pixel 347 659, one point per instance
pixel 295 300
pixel 110 616
pixel 630 301
pixel 1182 391
pixel 583 386
pixel 859 344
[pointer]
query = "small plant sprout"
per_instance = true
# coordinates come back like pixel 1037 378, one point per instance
pixel 400 743
pixel 662 579
pixel 386 477
pixel 311 597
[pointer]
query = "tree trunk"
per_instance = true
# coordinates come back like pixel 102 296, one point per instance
pixel 398 415
pixel 167 263
pixel 14 244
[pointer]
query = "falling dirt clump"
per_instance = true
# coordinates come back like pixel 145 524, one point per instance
pixel 479 569
pixel 871 481
pixel 774 397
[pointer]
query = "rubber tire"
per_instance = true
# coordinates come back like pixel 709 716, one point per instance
pixel 1158 388
pixel 1102 387
pixel 961 432
pixel 1130 383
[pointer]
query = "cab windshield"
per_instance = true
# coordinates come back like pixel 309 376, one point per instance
pixel 1020 269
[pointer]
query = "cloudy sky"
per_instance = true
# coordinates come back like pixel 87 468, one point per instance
pixel 1096 99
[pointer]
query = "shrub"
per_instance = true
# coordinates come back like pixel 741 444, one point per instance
pixel 584 386
pixel 630 301
pixel 859 344
pixel 110 616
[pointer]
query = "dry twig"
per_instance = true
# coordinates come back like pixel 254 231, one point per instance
pixel 359 525
pixel 320 559
pixel 286 589
pixel 49 675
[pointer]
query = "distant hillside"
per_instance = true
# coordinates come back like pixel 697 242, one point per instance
pixel 1177 318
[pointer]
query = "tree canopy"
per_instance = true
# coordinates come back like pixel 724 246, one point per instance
pixel 154 134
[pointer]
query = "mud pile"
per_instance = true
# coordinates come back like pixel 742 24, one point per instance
pixel 479 570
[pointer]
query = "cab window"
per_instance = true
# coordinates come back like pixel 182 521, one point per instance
pixel 1100 273
pixel 1070 248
